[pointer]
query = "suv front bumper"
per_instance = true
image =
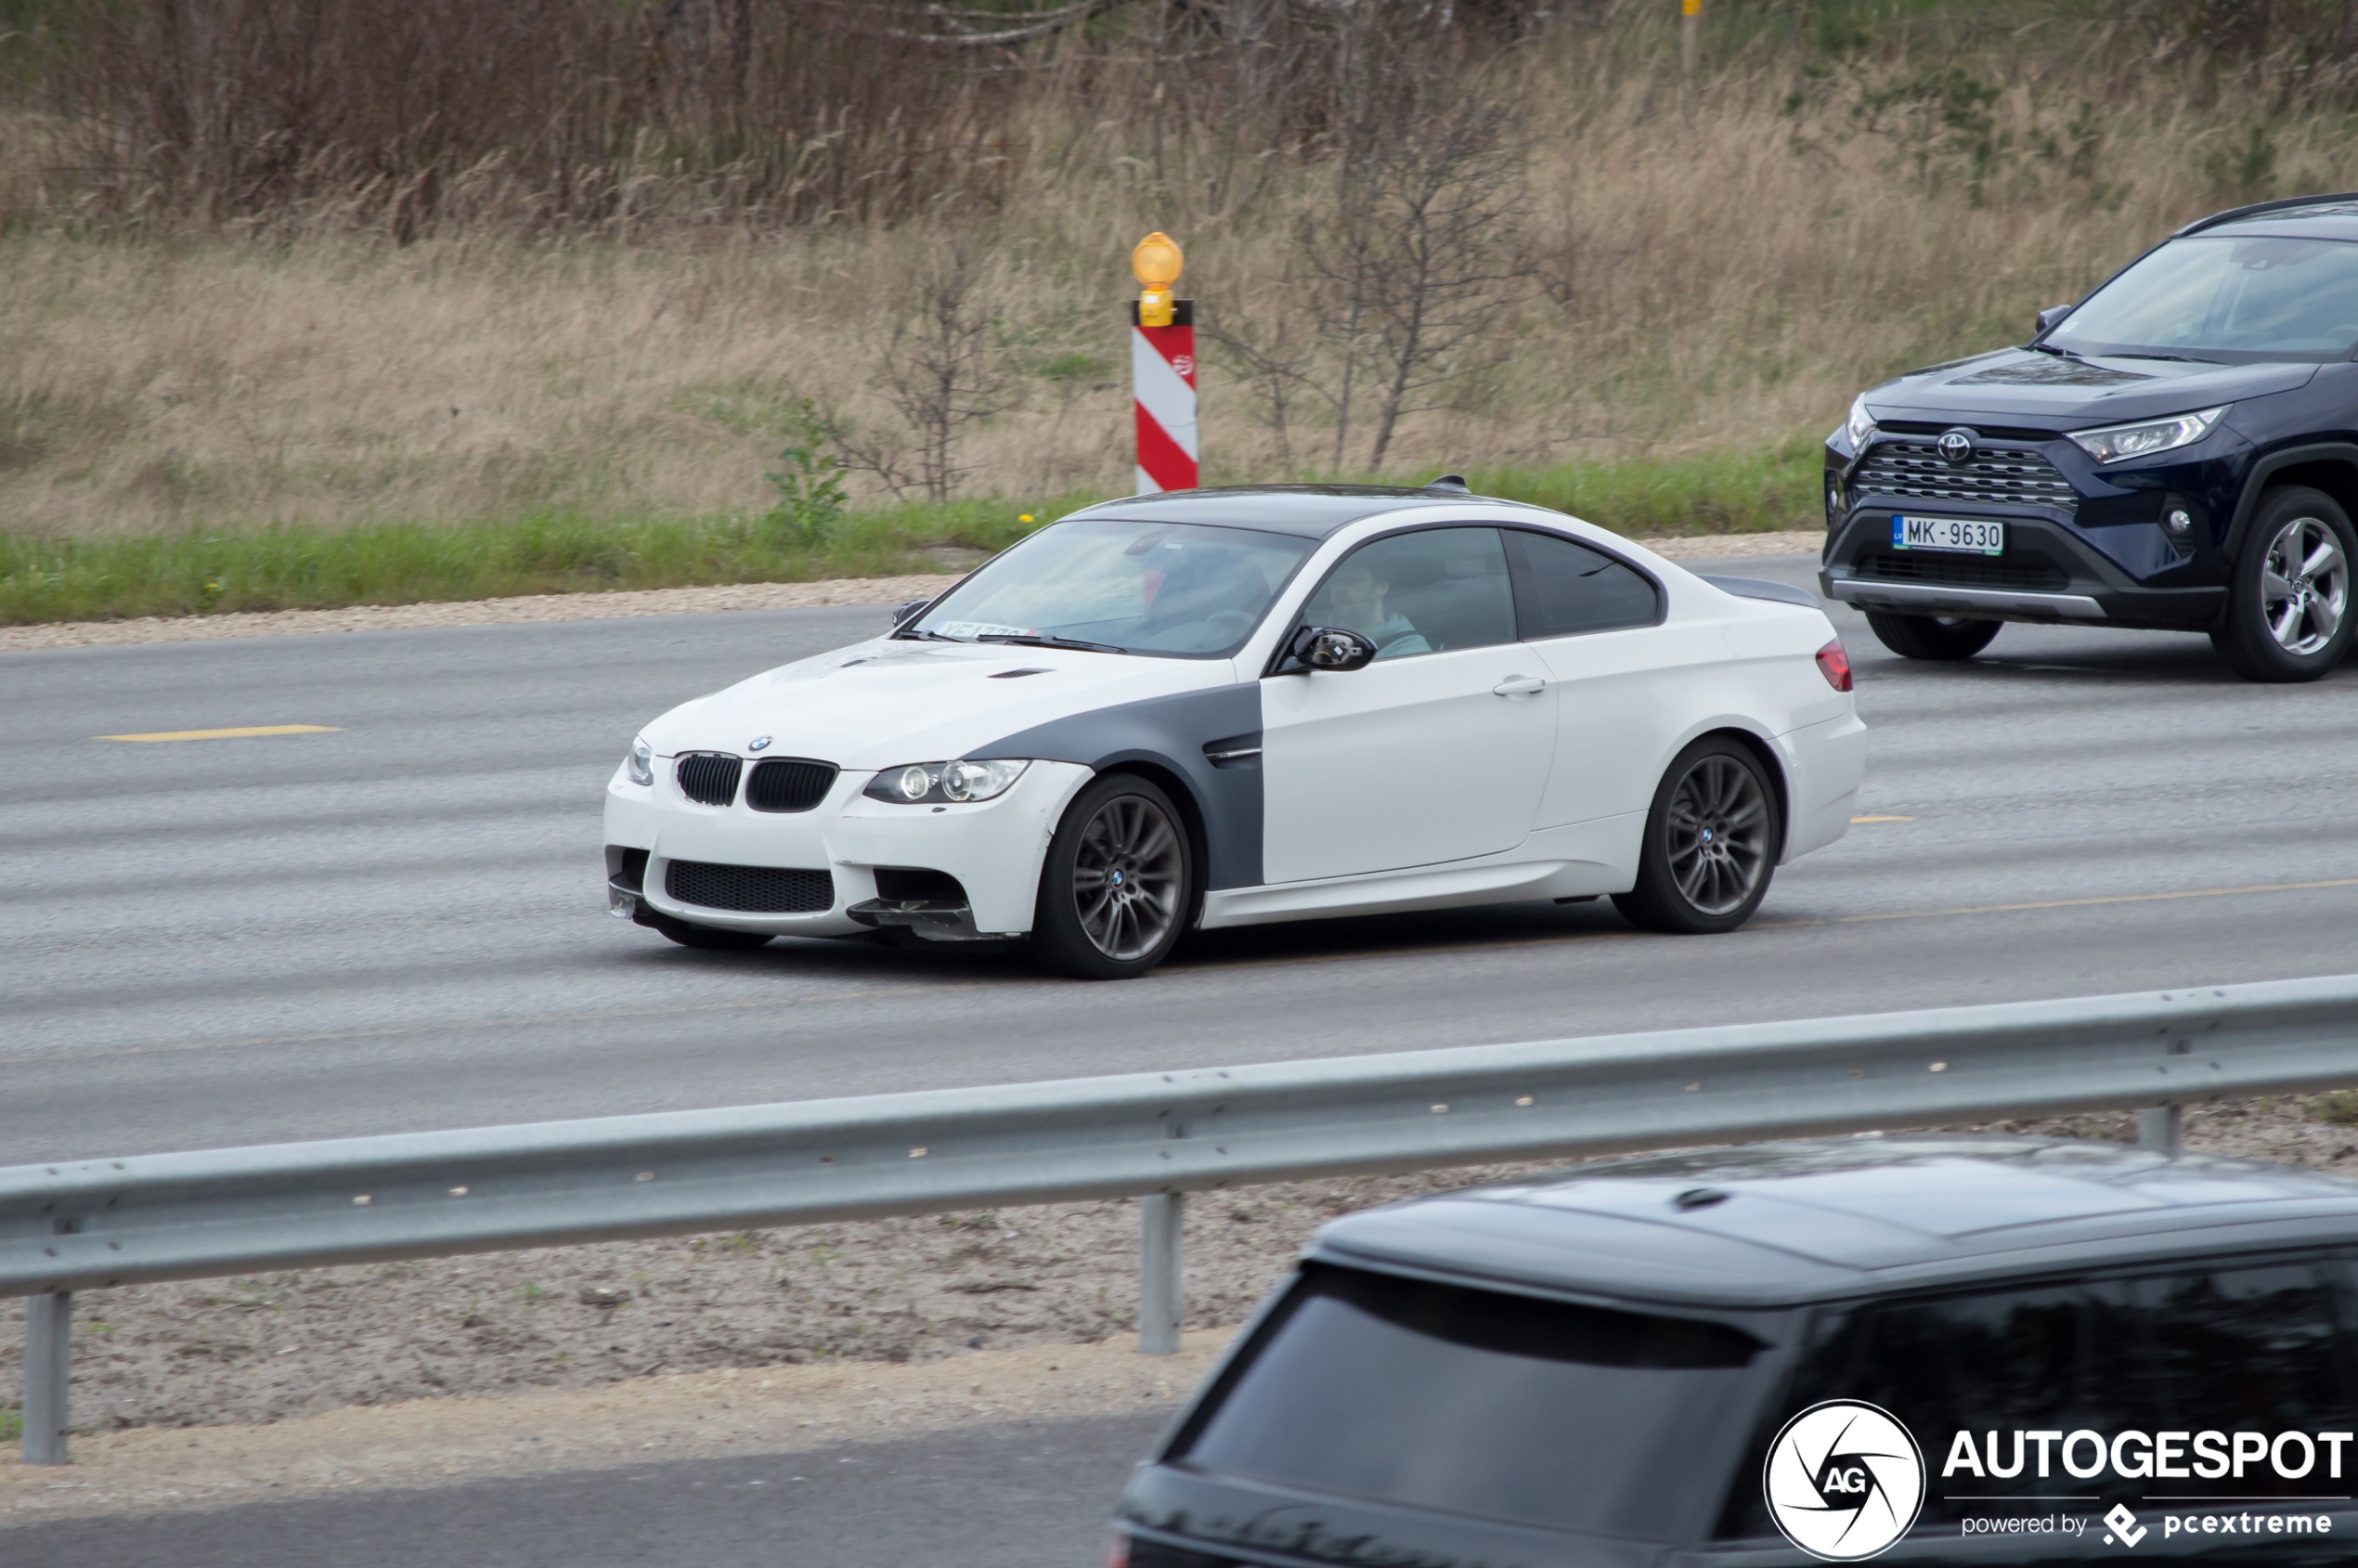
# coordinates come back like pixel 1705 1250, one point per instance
pixel 2048 573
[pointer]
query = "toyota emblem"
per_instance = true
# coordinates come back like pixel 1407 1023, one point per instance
pixel 758 744
pixel 1956 446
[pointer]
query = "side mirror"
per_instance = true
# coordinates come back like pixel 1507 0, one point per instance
pixel 908 612
pixel 2052 318
pixel 1328 647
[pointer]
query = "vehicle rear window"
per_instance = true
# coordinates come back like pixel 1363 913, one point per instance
pixel 1478 1401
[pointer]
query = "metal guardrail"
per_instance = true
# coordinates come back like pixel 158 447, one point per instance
pixel 84 1225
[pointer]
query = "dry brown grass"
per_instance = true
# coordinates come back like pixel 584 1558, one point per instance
pixel 1727 283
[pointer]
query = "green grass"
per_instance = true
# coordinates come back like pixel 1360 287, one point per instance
pixel 286 569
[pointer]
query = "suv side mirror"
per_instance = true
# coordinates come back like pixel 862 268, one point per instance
pixel 2052 318
pixel 1330 647
pixel 908 612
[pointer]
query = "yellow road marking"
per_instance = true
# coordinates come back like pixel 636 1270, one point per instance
pixel 2082 903
pixel 227 735
pixel 1882 819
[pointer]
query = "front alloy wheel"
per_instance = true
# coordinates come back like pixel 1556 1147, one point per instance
pixel 1710 842
pixel 2287 609
pixel 1117 883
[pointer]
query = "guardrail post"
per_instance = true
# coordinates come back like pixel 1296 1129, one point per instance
pixel 2159 1129
pixel 1159 1296
pixel 48 1348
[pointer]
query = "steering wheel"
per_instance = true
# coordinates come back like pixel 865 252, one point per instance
pixel 1399 636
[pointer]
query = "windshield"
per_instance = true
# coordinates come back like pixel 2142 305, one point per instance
pixel 1173 588
pixel 1476 1402
pixel 2234 302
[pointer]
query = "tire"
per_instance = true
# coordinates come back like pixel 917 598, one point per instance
pixel 1931 636
pixel 1712 841
pixel 708 936
pixel 2288 601
pixel 1117 884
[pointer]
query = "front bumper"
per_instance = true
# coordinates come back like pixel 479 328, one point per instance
pixel 2094 553
pixel 993 849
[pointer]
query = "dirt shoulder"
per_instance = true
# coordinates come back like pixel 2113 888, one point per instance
pixel 652 601
pixel 784 1410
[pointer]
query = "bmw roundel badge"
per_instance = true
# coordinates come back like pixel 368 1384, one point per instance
pixel 758 742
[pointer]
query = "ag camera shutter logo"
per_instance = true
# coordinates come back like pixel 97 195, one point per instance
pixel 1843 1480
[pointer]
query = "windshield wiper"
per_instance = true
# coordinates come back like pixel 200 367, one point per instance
pixel 1042 640
pixel 914 634
pixel 2182 358
pixel 2050 348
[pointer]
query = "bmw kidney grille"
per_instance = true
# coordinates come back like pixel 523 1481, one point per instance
pixel 709 778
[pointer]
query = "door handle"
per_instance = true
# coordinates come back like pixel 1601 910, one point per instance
pixel 1519 686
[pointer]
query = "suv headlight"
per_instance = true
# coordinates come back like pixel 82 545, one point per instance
pixel 2148 436
pixel 923 784
pixel 641 764
pixel 1859 425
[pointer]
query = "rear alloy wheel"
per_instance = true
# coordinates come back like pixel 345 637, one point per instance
pixel 710 936
pixel 1119 882
pixel 1931 636
pixel 2289 604
pixel 1711 843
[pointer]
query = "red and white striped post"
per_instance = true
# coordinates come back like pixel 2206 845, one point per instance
pixel 1162 368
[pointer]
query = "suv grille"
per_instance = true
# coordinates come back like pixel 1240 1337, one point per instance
pixel 709 778
pixel 789 783
pixel 750 890
pixel 1916 467
pixel 2040 576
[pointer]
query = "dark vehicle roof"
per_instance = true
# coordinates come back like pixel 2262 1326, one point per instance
pixel 2312 217
pixel 1309 510
pixel 1801 1222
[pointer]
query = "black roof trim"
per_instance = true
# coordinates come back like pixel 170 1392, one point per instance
pixel 2281 206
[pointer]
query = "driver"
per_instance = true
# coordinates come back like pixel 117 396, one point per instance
pixel 1357 596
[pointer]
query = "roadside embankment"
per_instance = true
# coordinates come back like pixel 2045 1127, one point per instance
pixel 649 602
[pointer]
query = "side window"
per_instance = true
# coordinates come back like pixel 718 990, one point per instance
pixel 2047 1358
pixel 1563 588
pixel 2247 1350
pixel 1423 593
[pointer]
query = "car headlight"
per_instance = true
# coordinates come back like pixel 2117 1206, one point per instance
pixel 2113 444
pixel 922 784
pixel 641 765
pixel 1859 425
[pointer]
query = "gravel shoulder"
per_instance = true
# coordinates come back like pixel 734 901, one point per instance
pixel 651 602
pixel 193 1393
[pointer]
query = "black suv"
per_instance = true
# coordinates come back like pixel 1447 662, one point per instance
pixel 1923 1349
pixel 2177 450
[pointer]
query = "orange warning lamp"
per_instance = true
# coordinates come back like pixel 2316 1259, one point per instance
pixel 1156 264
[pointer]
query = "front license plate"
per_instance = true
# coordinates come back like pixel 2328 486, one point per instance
pixel 1967 536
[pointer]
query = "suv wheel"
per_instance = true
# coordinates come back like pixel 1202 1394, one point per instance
pixel 1930 636
pixel 1711 843
pixel 2288 603
pixel 1119 882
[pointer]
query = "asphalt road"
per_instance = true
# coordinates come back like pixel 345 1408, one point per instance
pixel 400 925
pixel 1013 1495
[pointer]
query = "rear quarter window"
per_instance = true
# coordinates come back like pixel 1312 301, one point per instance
pixel 1479 1402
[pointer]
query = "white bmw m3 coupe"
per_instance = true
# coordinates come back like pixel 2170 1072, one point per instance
pixel 1222 707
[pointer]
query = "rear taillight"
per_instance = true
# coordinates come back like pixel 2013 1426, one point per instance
pixel 1118 1549
pixel 1834 664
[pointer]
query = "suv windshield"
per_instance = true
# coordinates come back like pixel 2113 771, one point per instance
pixel 1173 588
pixel 1477 1402
pixel 2236 302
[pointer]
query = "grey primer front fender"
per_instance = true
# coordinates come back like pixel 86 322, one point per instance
pixel 1174 734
